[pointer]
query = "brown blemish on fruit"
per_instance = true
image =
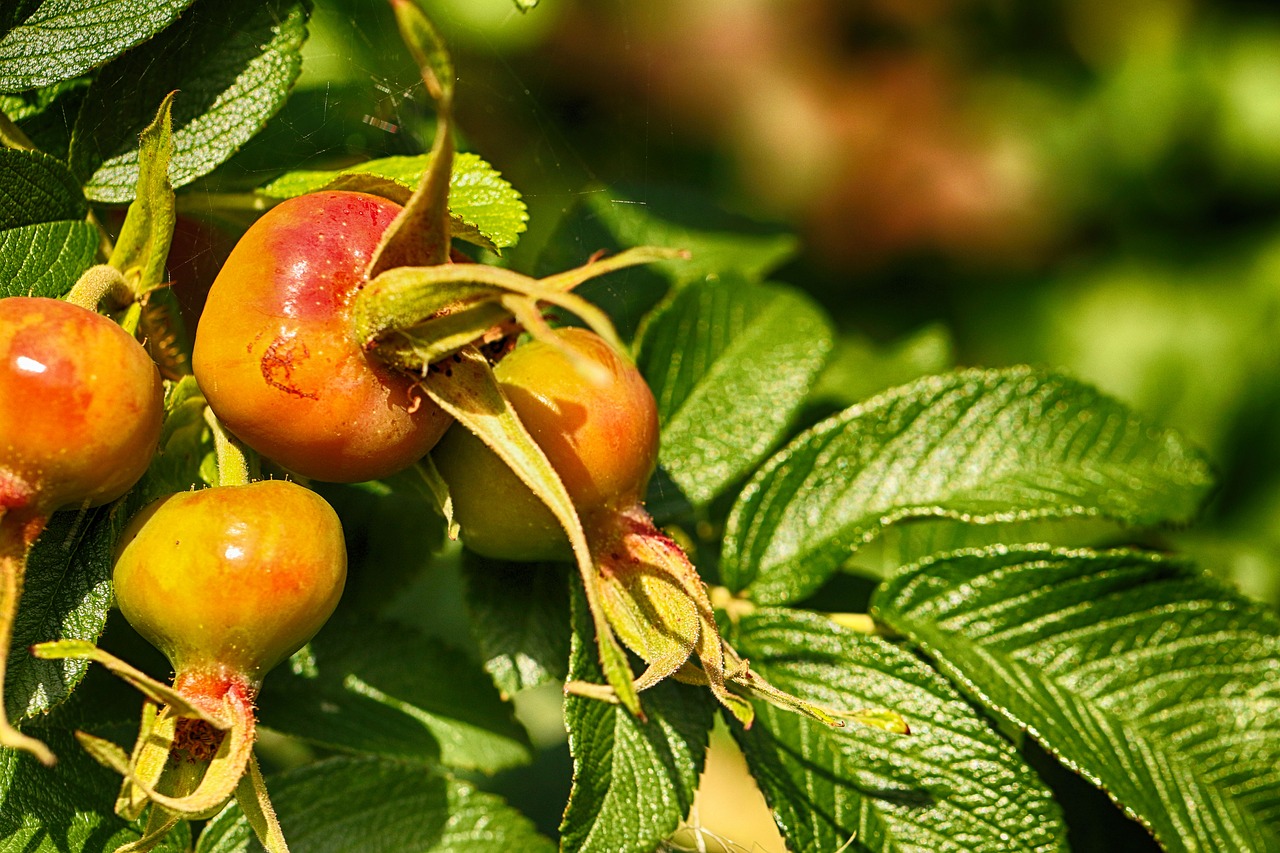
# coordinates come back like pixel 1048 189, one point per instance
pixel 279 361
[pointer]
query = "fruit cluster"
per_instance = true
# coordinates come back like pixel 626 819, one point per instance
pixel 341 341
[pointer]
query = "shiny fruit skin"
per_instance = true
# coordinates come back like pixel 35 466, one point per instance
pixel 602 439
pixel 277 358
pixel 81 404
pixel 229 581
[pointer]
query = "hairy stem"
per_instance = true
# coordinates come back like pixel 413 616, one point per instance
pixel 97 283
pixel 233 461
pixel 16 538
pixel 11 136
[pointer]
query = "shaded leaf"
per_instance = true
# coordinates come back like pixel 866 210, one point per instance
pixel 951 786
pixel 478 194
pixel 69 806
pixel 383 688
pixel 633 780
pixel 1146 677
pixel 859 367
pixel 346 804
pixel 45 115
pixel 60 39
pixel 995 445
pixel 35 187
pixel 233 62
pixel 729 362
pixel 67 595
pixel 720 243
pixel 520 614
pixel 612 220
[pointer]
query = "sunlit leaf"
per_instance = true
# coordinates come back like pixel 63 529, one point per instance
pixel 60 39
pixel 1141 674
pixel 478 194
pixel 729 362
pixel 996 445
pixel 233 62
pixel 952 785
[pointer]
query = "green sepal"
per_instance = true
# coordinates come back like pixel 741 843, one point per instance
pixel 471 394
pixel 143 245
pixel 251 795
pixel 220 779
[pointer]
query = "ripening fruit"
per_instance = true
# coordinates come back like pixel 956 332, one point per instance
pixel 80 408
pixel 231 580
pixel 277 357
pixel 599 433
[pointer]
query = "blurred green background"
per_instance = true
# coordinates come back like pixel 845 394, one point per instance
pixel 1088 184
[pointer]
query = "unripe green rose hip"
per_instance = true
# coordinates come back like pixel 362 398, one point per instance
pixel 231 580
pixel 600 433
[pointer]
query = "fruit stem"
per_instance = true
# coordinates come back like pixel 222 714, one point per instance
pixel 97 283
pixel 233 461
pixel 16 537
pixel 11 136
pixel 420 235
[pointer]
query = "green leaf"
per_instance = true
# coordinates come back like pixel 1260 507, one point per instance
pixel 478 194
pixel 45 115
pixel 67 595
pixel 951 786
pixel 232 61
pixel 45 242
pixel 980 446
pixel 346 804
pixel 520 614
pixel 184 442
pixel 392 534
pixel 45 259
pixel 1146 677
pixel 729 362
pixel 65 808
pixel 860 368
pixel 612 220
pixel 633 780
pixel 383 688
pixel 23 106
pixel 61 39
pixel 720 243
pixel 34 188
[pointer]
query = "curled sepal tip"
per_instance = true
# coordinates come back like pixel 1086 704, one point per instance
pixel 660 608
pixel 218 782
pixel 157 691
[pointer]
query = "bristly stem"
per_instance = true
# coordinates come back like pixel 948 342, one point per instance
pixel 16 538
pixel 98 283
pixel 233 460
